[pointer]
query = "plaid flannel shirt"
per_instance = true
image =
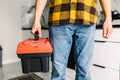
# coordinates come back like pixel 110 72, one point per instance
pixel 73 12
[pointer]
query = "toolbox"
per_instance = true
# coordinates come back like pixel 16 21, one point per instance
pixel 34 54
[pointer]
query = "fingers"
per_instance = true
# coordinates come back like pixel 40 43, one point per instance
pixel 33 30
pixel 38 29
pixel 107 31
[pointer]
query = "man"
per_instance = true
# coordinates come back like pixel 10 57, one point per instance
pixel 68 18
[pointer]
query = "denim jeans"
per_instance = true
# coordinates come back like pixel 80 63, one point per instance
pixel 61 39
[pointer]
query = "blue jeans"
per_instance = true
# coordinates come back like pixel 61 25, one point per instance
pixel 61 40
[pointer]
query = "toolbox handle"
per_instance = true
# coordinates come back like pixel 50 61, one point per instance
pixel 36 37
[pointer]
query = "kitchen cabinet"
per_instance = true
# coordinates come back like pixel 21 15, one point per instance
pixel 106 58
pixel 104 74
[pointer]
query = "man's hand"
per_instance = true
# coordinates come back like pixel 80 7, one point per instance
pixel 107 29
pixel 37 27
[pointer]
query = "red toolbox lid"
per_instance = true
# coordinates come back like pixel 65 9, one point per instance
pixel 31 46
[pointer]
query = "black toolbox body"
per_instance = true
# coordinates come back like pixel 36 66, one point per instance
pixel 34 62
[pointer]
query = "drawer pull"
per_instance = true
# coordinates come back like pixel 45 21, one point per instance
pixel 96 65
pixel 100 41
pixel 99 66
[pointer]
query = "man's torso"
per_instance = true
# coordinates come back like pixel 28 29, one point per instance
pixel 73 12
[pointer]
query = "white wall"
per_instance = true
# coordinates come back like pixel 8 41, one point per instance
pixel 10 27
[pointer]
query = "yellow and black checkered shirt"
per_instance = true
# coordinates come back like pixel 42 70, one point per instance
pixel 73 12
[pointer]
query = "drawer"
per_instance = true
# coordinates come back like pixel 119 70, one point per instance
pixel 115 37
pixel 107 54
pixel 103 74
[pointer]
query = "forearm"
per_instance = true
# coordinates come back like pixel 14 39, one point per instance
pixel 40 5
pixel 106 7
pixel 107 25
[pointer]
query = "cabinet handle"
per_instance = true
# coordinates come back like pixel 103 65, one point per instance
pixel 99 66
pixel 100 41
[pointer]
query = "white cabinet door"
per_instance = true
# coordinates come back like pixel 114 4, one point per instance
pixel 103 74
pixel 107 54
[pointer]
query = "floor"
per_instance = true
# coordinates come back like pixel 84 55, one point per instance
pixel 14 70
